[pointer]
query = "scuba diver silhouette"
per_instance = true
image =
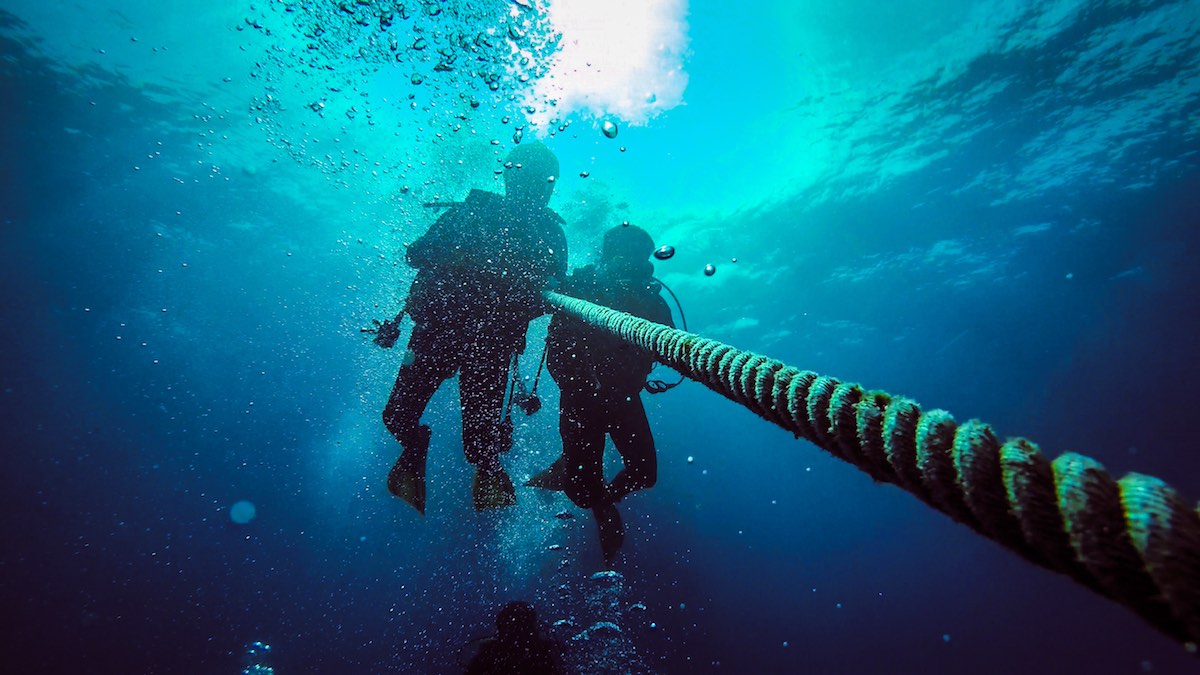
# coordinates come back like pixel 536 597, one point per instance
pixel 481 268
pixel 601 378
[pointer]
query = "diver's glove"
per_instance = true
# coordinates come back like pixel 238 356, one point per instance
pixel 386 332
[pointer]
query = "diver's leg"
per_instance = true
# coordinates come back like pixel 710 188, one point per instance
pixel 424 369
pixel 582 422
pixel 415 385
pixel 631 435
pixel 611 529
pixel 581 425
pixel 481 385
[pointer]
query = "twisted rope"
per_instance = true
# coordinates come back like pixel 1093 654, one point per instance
pixel 1133 540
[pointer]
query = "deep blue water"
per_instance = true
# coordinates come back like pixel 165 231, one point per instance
pixel 1010 238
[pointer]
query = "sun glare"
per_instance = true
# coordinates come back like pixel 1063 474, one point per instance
pixel 619 58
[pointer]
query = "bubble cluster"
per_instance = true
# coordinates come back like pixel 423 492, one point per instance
pixel 256 659
pixel 421 70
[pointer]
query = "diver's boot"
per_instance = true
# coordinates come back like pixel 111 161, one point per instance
pixel 612 530
pixel 491 487
pixel 406 480
pixel 553 477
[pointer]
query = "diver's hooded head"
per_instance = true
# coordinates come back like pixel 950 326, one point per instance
pixel 517 622
pixel 530 171
pixel 626 252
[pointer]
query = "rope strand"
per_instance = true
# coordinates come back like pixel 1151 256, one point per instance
pixel 1135 541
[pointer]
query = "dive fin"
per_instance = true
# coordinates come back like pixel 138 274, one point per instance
pixel 408 484
pixel 492 489
pixel 553 477
pixel 406 480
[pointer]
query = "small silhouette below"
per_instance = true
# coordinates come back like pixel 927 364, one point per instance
pixel 517 647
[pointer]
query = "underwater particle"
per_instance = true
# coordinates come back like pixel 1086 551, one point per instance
pixel 609 129
pixel 733 260
pixel 945 637
pixel 653 625
pixel 554 547
pixel 785 643
pixel 518 135
pixel 584 174
pixel 664 252
pixel 691 460
pixel 1070 276
pixel 710 269
pixel 416 78
pixel 564 515
pixel 242 512
pixel 622 148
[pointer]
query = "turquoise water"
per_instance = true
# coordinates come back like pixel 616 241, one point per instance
pixel 988 206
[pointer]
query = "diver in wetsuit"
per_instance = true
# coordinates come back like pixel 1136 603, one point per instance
pixel 601 378
pixel 481 268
